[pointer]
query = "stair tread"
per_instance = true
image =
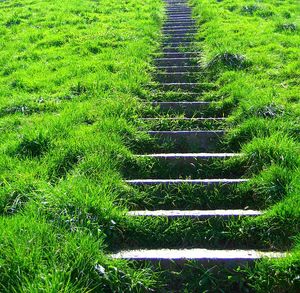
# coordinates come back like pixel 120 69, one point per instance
pixel 184 118
pixel 185 131
pixel 181 83
pixel 183 66
pixel 176 58
pixel 191 155
pixel 195 213
pixel 186 181
pixel 196 254
pixel 180 103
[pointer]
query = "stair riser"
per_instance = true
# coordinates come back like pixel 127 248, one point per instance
pixel 189 232
pixel 174 3
pixel 176 15
pixel 186 11
pixel 178 55
pixel 182 108
pixel 175 39
pixel 190 197
pixel 209 264
pixel 174 69
pixel 181 86
pixel 183 21
pixel 177 45
pixel 189 142
pixel 177 96
pixel 179 32
pixel 187 168
pixel 173 26
pixel 183 124
pixel 180 19
pixel 174 35
pixel 180 9
pixel 156 182
pixel 176 49
pixel 176 77
pixel 178 27
pixel 175 62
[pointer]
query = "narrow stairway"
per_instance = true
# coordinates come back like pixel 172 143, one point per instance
pixel 191 144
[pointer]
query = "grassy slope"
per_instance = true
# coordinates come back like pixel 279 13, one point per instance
pixel 251 50
pixel 69 82
pixel 70 76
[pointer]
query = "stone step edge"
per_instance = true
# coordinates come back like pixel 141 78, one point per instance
pixel 180 93
pixel 198 254
pixel 176 83
pixel 205 182
pixel 195 213
pixel 176 66
pixel 191 155
pixel 197 53
pixel 175 58
pixel 186 132
pixel 183 119
pixel 179 29
pixel 179 103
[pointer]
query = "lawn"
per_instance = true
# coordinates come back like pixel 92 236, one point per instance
pixel 251 52
pixel 73 75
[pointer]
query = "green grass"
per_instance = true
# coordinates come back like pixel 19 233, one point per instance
pixel 72 76
pixel 251 51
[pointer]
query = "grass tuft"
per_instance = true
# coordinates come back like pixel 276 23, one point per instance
pixel 34 146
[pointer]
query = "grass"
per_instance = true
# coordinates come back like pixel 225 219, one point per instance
pixel 250 50
pixel 72 77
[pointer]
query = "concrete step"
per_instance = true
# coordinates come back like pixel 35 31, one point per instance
pixel 176 15
pixel 162 96
pixel 171 9
pixel 195 213
pixel 173 61
pixel 190 156
pixel 189 165
pixel 176 4
pixel 176 50
pixel 217 119
pixel 173 86
pixel 171 2
pixel 185 3
pixel 179 26
pixel 177 39
pixel 184 123
pixel 176 77
pixel 189 141
pixel 180 19
pixel 182 25
pixel 187 108
pixel 184 68
pixel 205 182
pixel 178 54
pixel 179 32
pixel 205 257
pixel 179 22
pixel 181 12
pixel 178 44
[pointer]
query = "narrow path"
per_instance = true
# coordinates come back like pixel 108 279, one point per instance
pixel 176 94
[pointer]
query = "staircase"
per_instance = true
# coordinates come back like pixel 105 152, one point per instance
pixel 188 155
